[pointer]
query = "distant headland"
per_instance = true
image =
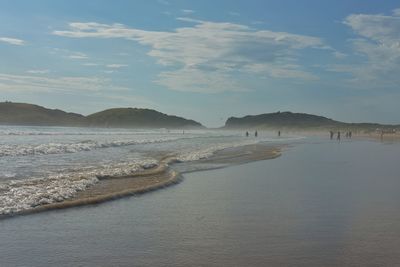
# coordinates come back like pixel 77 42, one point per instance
pixel 301 121
pixel 33 115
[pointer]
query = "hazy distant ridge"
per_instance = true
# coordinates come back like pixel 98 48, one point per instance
pixel 296 121
pixel 136 117
pixel 28 114
pixel 34 115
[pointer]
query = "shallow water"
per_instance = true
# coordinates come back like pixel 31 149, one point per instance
pixel 321 204
pixel 40 165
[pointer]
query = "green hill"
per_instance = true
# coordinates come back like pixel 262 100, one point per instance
pixel 34 115
pixel 298 121
pixel 28 114
pixel 138 118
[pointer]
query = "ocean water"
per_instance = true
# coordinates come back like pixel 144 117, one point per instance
pixel 321 203
pixel 40 165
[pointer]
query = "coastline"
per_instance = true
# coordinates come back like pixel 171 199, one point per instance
pixel 161 176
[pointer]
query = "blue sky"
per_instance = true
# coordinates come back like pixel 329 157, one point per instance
pixel 205 60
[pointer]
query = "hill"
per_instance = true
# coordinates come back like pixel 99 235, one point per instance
pixel 34 115
pixel 298 121
pixel 28 114
pixel 138 118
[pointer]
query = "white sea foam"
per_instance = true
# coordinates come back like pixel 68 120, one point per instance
pixel 20 195
pixel 61 148
pixel 211 149
pixel 48 180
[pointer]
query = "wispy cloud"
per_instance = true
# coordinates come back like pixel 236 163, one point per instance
pixel 95 87
pixel 16 83
pixel 378 46
pixel 208 56
pixel 38 71
pixel 78 55
pixel 12 41
pixel 187 11
pixel 89 64
pixel 339 55
pixel 68 53
pixel 235 14
pixel 257 22
pixel 116 66
pixel 109 71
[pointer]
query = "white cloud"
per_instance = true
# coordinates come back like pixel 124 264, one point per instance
pixel 38 71
pixel 396 12
pixel 378 45
pixel 78 55
pixel 116 66
pixel 12 41
pixel 187 11
pixel 68 53
pixel 339 55
pixel 207 56
pixel 90 64
pixel 192 80
pixel 15 83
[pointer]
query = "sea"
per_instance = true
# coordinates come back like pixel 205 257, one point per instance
pixel 41 165
pixel 321 203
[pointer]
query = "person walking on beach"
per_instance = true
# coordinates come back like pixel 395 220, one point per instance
pixel 331 134
pixel 338 135
pixel 350 134
pixel 247 134
pixel 256 134
pixel 279 133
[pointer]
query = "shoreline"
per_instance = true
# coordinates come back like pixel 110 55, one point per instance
pixel 161 176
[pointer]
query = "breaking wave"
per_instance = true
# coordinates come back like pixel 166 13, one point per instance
pixel 20 195
pixel 26 194
pixel 61 148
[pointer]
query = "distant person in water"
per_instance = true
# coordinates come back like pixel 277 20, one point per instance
pixel 279 133
pixel 247 134
pixel 331 134
pixel 256 134
pixel 338 136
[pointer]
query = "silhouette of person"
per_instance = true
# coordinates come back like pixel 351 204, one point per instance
pixel 279 133
pixel 331 134
pixel 338 135
pixel 350 134
pixel 247 134
pixel 256 134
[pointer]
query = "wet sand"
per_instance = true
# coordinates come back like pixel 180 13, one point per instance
pixel 161 176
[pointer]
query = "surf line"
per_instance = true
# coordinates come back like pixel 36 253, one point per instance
pixel 157 177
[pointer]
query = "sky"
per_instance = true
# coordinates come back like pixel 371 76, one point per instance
pixel 205 60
